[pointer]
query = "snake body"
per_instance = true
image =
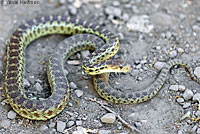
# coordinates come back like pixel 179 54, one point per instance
pixel 95 64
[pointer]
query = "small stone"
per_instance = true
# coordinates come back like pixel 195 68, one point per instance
pixel 38 87
pixel 116 3
pixel 159 65
pixel 70 123
pixel 198 131
pixel 26 83
pixel 113 11
pixel 66 72
pixel 43 128
pixel 173 53
pixel 85 53
pixel 174 87
pixel 181 88
pixel 79 123
pixel 180 132
pixel 180 50
pixel 125 17
pixel 61 126
pixel 196 97
pixel 72 85
pixel 12 114
pixel 197 72
pixel 72 10
pixel 196 28
pixel 104 132
pixel 73 62
pixel 138 124
pixel 79 93
pixel 143 61
pixel 80 130
pixel 121 36
pixel 180 100
pixel 186 105
pixel 52 124
pixel 197 113
pixel 188 94
pixel 108 118
pixel 138 66
pixel 194 128
pixel 5 123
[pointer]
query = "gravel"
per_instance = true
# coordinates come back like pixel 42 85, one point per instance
pixel 70 124
pixel 104 132
pixel 5 123
pixel 197 72
pixel 196 97
pixel 79 93
pixel 159 65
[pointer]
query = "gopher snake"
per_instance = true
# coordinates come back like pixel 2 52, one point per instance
pixel 95 64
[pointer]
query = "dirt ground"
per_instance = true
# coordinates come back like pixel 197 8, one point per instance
pixel 151 33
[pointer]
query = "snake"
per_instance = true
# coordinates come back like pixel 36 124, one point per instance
pixel 85 35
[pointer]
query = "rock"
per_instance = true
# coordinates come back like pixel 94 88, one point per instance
pixel 72 85
pixel 138 124
pixel 110 10
pixel 159 65
pixel 116 3
pixel 79 123
pixel 180 50
pixel 108 118
pixel 198 131
pixel 197 72
pixel 70 123
pixel 66 72
pixel 85 53
pixel 12 114
pixel 80 130
pixel 43 128
pixel 52 124
pixel 180 132
pixel 180 100
pixel 188 94
pixel 61 126
pixel 196 27
pixel 196 97
pixel 79 93
pixel 139 23
pixel 173 53
pixel 125 17
pixel 104 132
pixel 121 36
pixel 73 62
pixel 72 10
pixel 5 123
pixel 138 66
pixel 174 87
pixel 26 83
pixel 194 128
pixel 186 105
pixel 181 88
pixel 143 61
pixel 197 113
pixel 38 87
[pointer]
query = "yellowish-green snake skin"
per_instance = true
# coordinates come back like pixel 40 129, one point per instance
pixel 96 64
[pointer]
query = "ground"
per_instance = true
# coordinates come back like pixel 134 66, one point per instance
pixel 151 33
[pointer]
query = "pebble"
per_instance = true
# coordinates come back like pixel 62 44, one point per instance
pixel 72 10
pixel 194 129
pixel 196 97
pixel 180 50
pixel 116 3
pixel 85 53
pixel 198 131
pixel 121 36
pixel 104 132
pixel 196 28
pixel 43 127
pixel 180 100
pixel 108 118
pixel 197 113
pixel 113 11
pixel 61 126
pixel 138 66
pixel 5 123
pixel 52 124
pixel 73 62
pixel 125 17
pixel 80 130
pixel 79 123
pixel 12 114
pixel 186 105
pixel 174 87
pixel 159 65
pixel 138 124
pixel 181 88
pixel 79 93
pixel 70 123
pixel 188 94
pixel 180 132
pixel 197 72
pixel 173 53
pixel 72 85
pixel 38 87
pixel 26 83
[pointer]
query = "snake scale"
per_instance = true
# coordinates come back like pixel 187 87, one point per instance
pixel 86 36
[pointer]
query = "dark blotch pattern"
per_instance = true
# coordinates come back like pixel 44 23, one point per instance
pixel 29 104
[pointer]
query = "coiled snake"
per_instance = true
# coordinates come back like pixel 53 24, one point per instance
pixel 95 64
